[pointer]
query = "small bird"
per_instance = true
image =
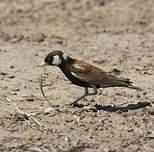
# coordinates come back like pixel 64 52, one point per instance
pixel 85 75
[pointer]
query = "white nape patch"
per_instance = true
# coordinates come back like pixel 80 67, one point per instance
pixel 56 60
pixel 64 56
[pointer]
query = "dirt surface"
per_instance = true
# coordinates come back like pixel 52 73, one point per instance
pixel 115 35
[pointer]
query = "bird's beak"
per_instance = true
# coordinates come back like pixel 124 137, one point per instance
pixel 43 63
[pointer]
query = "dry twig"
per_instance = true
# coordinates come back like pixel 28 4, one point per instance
pixel 51 106
pixel 41 87
pixel 21 112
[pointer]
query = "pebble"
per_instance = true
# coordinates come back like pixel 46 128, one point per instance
pixel 16 89
pixel 12 67
pixel 11 76
pixel 30 99
pixel 99 61
pixel 39 38
pixel 1 78
pixel 3 73
pixel 17 38
pixel 116 71
pixel 4 88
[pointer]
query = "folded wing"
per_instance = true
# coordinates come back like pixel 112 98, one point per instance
pixel 98 77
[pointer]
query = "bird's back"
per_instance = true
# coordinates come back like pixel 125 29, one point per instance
pixel 86 75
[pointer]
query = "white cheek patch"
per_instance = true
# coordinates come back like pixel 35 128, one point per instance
pixel 56 60
pixel 64 56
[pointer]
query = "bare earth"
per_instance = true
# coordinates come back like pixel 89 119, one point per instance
pixel 115 35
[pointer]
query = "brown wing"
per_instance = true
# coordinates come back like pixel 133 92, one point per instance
pixel 87 72
pixel 96 76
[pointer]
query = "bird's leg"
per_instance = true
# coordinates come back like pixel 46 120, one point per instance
pixel 95 90
pixel 86 94
pixel 86 91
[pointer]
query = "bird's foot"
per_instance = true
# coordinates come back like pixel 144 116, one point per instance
pixel 75 104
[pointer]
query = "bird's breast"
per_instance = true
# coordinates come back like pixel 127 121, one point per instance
pixel 73 78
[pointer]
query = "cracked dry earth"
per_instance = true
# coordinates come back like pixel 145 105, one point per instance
pixel 115 35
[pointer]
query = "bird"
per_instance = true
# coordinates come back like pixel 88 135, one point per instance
pixel 84 74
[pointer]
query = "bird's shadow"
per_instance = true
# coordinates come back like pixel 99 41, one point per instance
pixel 109 108
pixel 114 108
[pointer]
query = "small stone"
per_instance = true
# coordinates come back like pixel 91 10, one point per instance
pixel 1 78
pixel 16 38
pixel 16 89
pixel 12 67
pixel 30 99
pixel 4 88
pixel 36 54
pixel 116 71
pixel 144 93
pixel 3 73
pixel 102 3
pixel 99 61
pixel 11 76
pixel 59 41
pixel 38 38
pixel 14 93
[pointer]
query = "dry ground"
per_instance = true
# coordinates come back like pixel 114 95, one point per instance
pixel 115 35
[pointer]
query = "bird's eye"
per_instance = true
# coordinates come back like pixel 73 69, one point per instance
pixel 48 60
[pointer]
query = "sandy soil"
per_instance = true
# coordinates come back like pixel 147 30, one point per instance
pixel 115 35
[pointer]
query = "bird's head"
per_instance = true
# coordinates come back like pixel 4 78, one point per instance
pixel 54 58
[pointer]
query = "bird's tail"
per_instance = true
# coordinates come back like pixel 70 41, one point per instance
pixel 122 82
pixel 113 81
pixel 134 87
pixel 129 84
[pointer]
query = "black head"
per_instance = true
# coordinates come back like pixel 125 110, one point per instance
pixel 54 58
